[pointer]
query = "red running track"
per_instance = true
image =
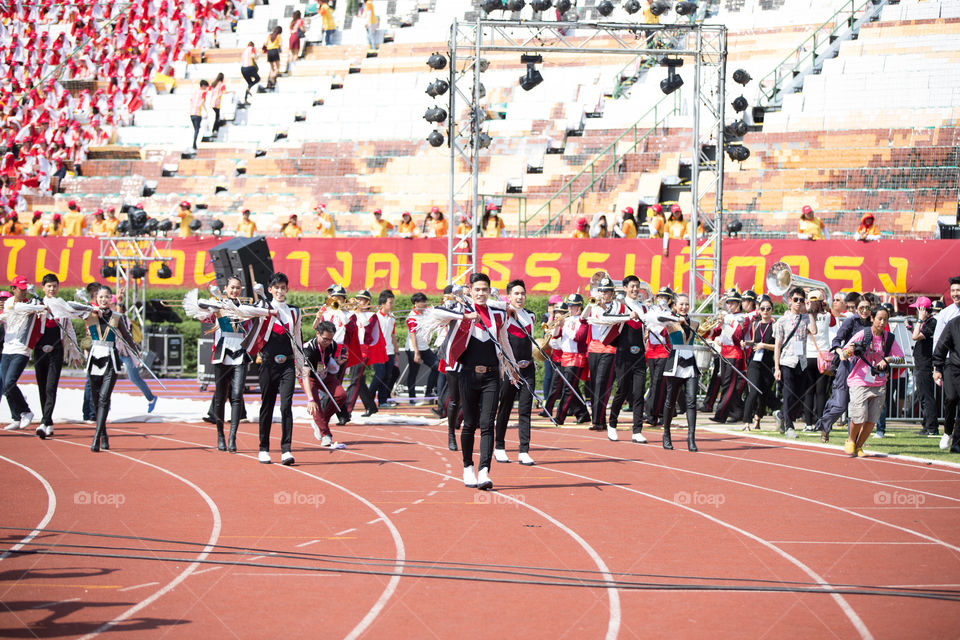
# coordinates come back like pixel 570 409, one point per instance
pixel 746 538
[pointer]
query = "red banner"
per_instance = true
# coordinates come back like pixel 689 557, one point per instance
pixel 548 265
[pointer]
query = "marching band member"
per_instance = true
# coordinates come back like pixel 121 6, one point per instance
pixel 552 393
pixel 372 350
pixel 107 330
pixel 321 354
pixel 519 332
pixel 419 351
pixel 57 344
pixel 573 334
pixel 605 321
pixel 478 342
pixel 631 362
pixel 681 373
pixel 658 351
pixel 728 338
pixel 384 373
pixel 448 404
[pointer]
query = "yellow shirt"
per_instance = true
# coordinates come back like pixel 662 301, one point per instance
pixel 493 228
pixel 648 17
pixel 12 228
pixel 812 229
pixel 463 230
pixel 73 224
pixel 35 228
pixel 292 231
pixel 381 227
pixel 98 228
pixel 580 233
pixel 246 228
pixel 371 17
pixel 677 229
pixel 656 226
pixel 55 232
pixel 327 14
pixel 273 43
pixel 629 229
pixel 408 228
pixel 185 219
pixel 439 228
pixel 325 226
pixel 111 225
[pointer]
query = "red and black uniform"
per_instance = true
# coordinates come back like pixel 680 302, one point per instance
pixel 325 363
pixel 574 337
pixel 731 334
pixel 657 353
pixel 518 328
pixel 760 367
pixel 631 373
pixel 601 357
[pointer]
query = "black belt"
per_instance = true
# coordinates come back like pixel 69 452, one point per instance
pixel 480 368
pixel 100 362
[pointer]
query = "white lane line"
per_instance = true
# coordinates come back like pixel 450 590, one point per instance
pixel 301 574
pixel 418 501
pixel 432 493
pixel 374 520
pixel 50 605
pixel 170 586
pixel 345 532
pixel 848 542
pixel 307 544
pixel 255 558
pixel 141 586
pixel 51 507
pixel 401 553
pixel 400 510
pixel 207 570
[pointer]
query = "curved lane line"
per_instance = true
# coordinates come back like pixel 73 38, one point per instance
pixel 51 507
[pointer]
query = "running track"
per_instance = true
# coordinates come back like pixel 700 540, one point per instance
pixel 165 536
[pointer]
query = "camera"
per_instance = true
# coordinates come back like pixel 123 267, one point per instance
pixel 909 324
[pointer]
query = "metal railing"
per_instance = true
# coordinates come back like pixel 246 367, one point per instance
pixel 808 54
pixel 660 112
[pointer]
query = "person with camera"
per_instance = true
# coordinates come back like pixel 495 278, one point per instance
pixel 789 358
pixel 871 352
pixel 923 330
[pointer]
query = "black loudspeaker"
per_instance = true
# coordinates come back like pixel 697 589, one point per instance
pixel 236 256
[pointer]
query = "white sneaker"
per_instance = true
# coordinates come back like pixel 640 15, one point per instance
pixel 612 433
pixel 790 433
pixel 500 455
pixel 469 478
pixel 264 457
pixel 41 432
pixel 525 459
pixel 13 426
pixel 639 438
pixel 944 441
pixel 286 458
pixel 338 445
pixel 879 434
pixel 326 441
pixel 25 420
pixel 48 430
pixel 316 433
pixel 484 482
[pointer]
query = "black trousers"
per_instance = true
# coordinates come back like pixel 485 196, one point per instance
pixel 756 404
pixel 838 400
pixel 196 120
pixel 815 398
pixel 251 74
pixel 101 388
pixel 923 380
pixel 450 405
pixel 713 387
pixel 276 379
pixel 478 395
pixel 656 394
pixel 673 387
pixel 601 382
pixel 48 366
pixel 384 377
pixel 556 386
pixel 631 372
pixel 508 394
pixel 731 393
pixel 429 359
pixel 229 380
pixel 569 403
pixel 794 382
pixel 358 388
pixel 951 397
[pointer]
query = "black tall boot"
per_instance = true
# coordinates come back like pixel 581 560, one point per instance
pixel 667 443
pixel 232 442
pixel 95 447
pixel 104 442
pixel 221 443
pixel 691 430
pixel 451 438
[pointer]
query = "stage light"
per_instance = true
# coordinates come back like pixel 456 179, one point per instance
pixel 138 220
pixel 738 152
pixel 435 114
pixel 437 62
pixel 489 6
pixel 685 8
pixel 483 64
pixel 151 226
pixel 195 225
pixel 517 5
pixel 563 6
pixel 165 226
pixel 733 228
pixel 164 272
pixel 673 81
pixel 631 6
pixel 532 77
pixel 217 226
pixel 741 77
pixel 123 228
pixel 659 7
pixel 435 138
pixel 605 8
pixel 736 129
pixel 137 272
pixel 541 5
pixel 107 270
pixel 740 104
pixel 485 141
pixel 437 88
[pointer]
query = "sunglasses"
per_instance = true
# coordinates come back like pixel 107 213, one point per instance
pixel 799 299
pixel 766 308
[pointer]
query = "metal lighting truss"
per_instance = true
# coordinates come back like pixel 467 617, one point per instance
pixel 704 45
pixel 126 253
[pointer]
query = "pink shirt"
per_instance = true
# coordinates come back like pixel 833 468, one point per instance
pixel 196 102
pixel 246 58
pixel 861 376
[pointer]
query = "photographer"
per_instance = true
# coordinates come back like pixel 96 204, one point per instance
pixel 923 330
pixel 871 353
